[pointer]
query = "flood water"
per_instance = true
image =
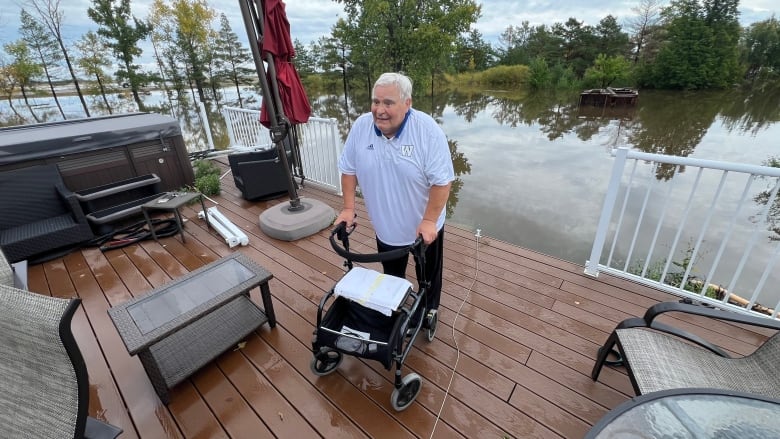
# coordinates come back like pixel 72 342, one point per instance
pixel 533 168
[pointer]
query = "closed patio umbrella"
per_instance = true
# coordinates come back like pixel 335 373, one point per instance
pixel 278 51
pixel 284 99
pixel 284 104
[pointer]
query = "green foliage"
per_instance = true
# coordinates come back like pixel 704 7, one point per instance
pixel 540 75
pixel 674 277
pixel 607 70
pixel 701 46
pixel 761 48
pixel 24 68
pixel 505 76
pixel 122 33
pixel 563 76
pixel 207 177
pixel 230 57
pixel 414 37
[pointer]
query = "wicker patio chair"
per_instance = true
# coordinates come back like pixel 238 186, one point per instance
pixel 44 392
pixel 658 356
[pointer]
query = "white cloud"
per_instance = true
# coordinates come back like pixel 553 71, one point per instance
pixel 311 19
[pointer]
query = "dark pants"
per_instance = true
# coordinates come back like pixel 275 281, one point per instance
pixel 434 257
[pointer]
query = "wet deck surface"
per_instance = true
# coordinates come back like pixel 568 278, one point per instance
pixel 526 329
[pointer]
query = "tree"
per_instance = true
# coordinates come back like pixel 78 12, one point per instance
pixel 610 38
pixel 515 40
pixel 684 59
pixel 23 69
pixel 761 47
pixel 543 43
pixel 700 50
pixel 540 75
pixel 578 44
pixel 46 49
pixel 93 60
pixel 414 37
pixel 606 70
pixel 643 25
pixel 185 30
pixel 722 17
pixel 8 84
pixel 305 59
pixel 472 52
pixel 51 16
pixel 114 20
pixel 231 57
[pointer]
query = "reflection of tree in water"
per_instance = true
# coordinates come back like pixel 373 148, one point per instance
pixel 673 123
pixel 753 109
pixel 332 106
pixel 462 166
pixel 468 104
pixel 555 112
pixel 764 197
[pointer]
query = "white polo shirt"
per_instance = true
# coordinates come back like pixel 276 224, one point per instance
pixel 395 175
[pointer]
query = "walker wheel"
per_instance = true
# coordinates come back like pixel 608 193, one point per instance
pixel 432 321
pixel 325 362
pixel 403 396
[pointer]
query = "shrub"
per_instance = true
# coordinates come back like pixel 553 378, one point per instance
pixel 503 76
pixel 540 75
pixel 206 177
pixel 208 184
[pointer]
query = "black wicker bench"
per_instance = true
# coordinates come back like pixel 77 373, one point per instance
pixel 38 214
pixel 181 326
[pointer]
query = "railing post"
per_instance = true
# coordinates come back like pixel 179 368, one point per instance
pixel 335 141
pixel 227 114
pixel 592 264
pixel 205 120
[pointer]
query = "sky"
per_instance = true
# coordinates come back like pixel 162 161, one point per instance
pixel 311 19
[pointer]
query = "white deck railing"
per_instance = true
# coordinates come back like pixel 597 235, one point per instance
pixel 319 144
pixel 681 224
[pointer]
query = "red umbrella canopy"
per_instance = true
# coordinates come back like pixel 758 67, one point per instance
pixel 277 42
pixel 276 39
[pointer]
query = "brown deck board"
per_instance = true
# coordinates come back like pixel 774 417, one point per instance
pixel 526 330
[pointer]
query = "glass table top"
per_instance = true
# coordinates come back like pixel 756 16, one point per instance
pixel 705 415
pixel 156 310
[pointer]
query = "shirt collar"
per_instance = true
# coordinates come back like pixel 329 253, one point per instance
pixel 400 129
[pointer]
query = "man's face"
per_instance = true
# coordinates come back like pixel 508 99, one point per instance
pixel 388 109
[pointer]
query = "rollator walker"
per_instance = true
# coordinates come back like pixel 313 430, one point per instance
pixel 373 315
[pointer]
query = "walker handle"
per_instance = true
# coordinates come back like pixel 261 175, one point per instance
pixel 344 252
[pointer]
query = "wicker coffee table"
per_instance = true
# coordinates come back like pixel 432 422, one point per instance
pixel 181 326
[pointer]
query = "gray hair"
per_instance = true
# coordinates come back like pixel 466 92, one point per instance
pixel 402 82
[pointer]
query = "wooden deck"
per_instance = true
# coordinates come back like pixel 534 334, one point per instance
pixel 527 335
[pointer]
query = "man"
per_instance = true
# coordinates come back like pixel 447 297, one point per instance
pixel 401 159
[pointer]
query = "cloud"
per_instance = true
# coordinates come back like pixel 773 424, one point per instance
pixel 312 19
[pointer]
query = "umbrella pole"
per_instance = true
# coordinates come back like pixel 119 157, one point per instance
pixel 253 24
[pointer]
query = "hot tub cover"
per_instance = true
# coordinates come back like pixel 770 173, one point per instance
pixel 38 141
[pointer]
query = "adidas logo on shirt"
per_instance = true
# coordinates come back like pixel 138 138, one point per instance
pixel 371 147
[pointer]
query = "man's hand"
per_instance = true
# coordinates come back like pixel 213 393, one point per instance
pixel 428 231
pixel 347 216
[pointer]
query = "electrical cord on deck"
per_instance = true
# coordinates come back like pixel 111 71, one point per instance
pixel 457 314
pixel 135 233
